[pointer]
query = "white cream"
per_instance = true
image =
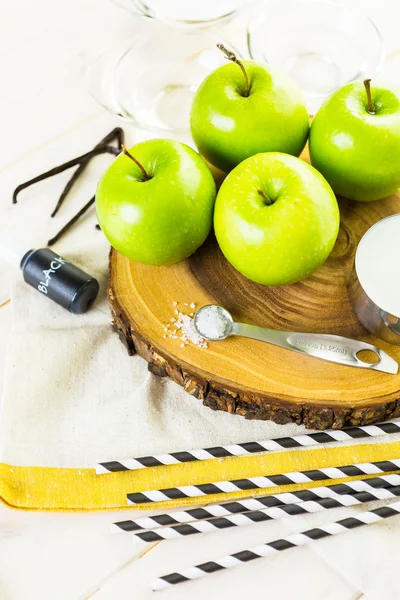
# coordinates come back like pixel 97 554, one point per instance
pixel 190 10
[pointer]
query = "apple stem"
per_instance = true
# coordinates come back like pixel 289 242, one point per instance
pixel 264 196
pixel 231 56
pixel 371 107
pixel 127 153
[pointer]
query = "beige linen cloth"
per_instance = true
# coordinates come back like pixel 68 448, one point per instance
pixel 73 396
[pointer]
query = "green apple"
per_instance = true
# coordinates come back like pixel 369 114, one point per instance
pixel 276 219
pixel 355 141
pixel 155 202
pixel 245 108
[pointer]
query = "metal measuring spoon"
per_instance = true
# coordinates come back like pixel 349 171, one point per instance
pixel 333 348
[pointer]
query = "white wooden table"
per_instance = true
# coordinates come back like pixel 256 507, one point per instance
pixel 47 116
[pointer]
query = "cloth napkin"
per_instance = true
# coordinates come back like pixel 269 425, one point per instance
pixel 73 397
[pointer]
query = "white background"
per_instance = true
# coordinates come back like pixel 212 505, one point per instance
pixel 47 116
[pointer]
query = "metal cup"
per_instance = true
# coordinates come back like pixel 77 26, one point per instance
pixel 374 289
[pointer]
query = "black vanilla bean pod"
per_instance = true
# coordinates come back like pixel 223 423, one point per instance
pixel 103 147
pixel 61 168
pixel 70 223
pixel 116 134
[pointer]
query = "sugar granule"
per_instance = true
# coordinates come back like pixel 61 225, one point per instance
pixel 212 323
pixel 188 332
pixel 183 328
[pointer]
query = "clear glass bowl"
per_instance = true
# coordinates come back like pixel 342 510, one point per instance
pixel 321 44
pixel 185 13
pixel 152 83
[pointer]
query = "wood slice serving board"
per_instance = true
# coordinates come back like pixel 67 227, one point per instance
pixel 250 378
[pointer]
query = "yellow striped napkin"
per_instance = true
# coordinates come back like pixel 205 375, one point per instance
pixel 56 489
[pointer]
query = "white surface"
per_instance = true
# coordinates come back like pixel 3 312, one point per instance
pixel 46 117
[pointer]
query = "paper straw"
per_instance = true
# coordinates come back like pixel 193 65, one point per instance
pixel 248 448
pixel 270 548
pixel 253 504
pixel 238 485
pixel 266 514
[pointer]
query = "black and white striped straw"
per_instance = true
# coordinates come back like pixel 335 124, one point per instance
pixel 248 448
pixel 373 487
pixel 270 548
pixel 266 514
pixel 251 483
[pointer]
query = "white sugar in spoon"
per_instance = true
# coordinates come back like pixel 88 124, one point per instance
pixel 215 323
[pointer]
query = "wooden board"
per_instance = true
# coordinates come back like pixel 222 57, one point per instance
pixel 250 378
